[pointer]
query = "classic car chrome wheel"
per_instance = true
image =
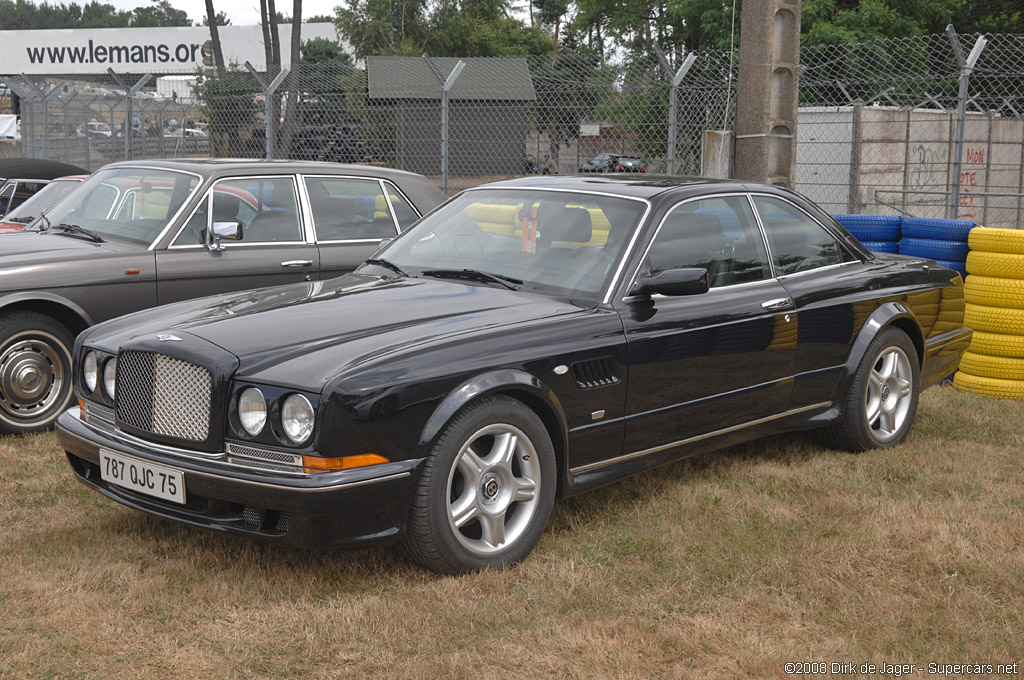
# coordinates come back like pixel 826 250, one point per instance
pixel 492 489
pixel 486 491
pixel 887 399
pixel 882 400
pixel 35 371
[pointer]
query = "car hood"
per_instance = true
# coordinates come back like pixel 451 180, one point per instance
pixel 309 333
pixel 33 247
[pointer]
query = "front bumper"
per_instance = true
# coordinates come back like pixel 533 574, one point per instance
pixel 355 507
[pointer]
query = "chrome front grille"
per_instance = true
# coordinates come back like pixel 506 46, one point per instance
pixel 163 395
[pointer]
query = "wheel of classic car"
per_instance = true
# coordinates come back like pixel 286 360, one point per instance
pixel 486 491
pixel 35 371
pixel 882 400
pixel 527 340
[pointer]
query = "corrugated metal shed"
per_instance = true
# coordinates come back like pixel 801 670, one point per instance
pixel 483 78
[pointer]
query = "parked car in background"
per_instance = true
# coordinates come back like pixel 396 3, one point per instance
pixel 41 201
pixel 610 162
pixel 528 339
pixel 138 234
pixel 21 178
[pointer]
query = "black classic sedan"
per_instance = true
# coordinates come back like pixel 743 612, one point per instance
pixel 528 340
pixel 139 234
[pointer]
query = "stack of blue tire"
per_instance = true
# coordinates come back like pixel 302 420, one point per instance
pixel 878 233
pixel 944 241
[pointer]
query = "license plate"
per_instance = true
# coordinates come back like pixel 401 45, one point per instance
pixel 143 477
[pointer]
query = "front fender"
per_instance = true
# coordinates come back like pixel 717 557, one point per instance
pixel 887 314
pixel 521 384
pixel 37 296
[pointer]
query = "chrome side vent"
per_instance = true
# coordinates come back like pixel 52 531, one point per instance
pixel 594 373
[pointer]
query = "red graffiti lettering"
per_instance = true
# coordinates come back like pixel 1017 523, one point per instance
pixel 975 155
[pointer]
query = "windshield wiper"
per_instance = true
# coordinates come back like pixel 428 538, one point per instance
pixel 475 275
pixel 75 229
pixel 380 262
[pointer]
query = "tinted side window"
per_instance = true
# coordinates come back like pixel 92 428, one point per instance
pixel 717 234
pixel 345 208
pixel 405 213
pixel 797 242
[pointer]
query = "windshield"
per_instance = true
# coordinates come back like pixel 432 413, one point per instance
pixel 41 200
pixel 125 204
pixel 554 242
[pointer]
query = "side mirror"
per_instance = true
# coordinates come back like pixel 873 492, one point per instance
pixel 226 231
pixel 674 282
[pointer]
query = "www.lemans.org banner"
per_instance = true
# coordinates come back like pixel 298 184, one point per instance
pixel 139 50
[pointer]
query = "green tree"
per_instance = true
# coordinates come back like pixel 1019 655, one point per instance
pixel 229 103
pixel 462 28
pixel 220 19
pixel 159 13
pixel 376 27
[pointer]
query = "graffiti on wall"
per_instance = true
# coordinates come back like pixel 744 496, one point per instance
pixel 969 181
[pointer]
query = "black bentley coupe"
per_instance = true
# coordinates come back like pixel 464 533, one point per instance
pixel 525 341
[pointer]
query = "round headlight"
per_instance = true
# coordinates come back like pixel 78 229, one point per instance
pixel 110 376
pixel 297 418
pixel 252 411
pixel 90 371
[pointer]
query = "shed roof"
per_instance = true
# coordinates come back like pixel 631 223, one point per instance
pixel 483 78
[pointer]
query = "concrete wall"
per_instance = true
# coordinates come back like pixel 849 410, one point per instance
pixel 900 161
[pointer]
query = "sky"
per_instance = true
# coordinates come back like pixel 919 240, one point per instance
pixel 241 12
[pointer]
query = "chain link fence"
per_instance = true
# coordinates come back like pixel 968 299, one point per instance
pixel 931 126
pixel 879 123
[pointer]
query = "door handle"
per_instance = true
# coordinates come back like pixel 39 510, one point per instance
pixel 776 304
pixel 297 263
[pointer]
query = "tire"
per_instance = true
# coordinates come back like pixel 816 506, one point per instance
pixel 997 345
pixel 1004 389
pixel 871 227
pixel 935 250
pixel 881 403
pixel 882 246
pixel 996 265
pixel 994 291
pixel 941 230
pixel 991 240
pixel 981 365
pixel 994 319
pixel 35 371
pixel 454 528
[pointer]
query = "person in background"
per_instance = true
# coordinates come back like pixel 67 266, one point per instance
pixel 530 167
pixel 549 166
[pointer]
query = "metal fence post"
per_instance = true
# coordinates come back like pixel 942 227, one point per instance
pixel 446 86
pixel 675 79
pixel 966 67
pixel 28 102
pixel 268 103
pixel 128 128
pixel 45 98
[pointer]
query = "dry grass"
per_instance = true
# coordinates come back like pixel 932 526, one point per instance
pixel 723 567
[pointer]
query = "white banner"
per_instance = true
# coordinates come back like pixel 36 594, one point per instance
pixel 139 50
pixel 8 126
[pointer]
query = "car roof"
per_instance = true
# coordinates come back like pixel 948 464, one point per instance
pixel 216 167
pixel 634 185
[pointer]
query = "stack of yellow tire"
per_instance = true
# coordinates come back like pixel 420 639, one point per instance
pixel 994 292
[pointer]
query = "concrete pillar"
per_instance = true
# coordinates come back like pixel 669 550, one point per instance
pixel 767 91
